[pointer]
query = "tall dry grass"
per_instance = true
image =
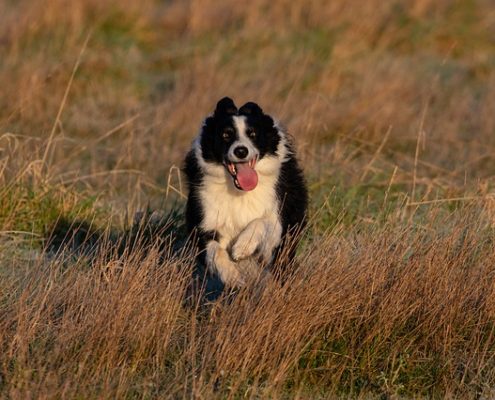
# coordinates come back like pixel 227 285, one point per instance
pixel 394 310
pixel 391 106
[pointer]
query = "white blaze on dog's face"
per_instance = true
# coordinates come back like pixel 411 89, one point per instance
pixel 241 141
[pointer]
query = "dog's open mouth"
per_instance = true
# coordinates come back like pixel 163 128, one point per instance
pixel 243 173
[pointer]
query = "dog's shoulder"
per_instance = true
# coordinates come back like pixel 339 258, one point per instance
pixel 292 191
pixel 191 168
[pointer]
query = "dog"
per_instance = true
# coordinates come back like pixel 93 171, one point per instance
pixel 247 193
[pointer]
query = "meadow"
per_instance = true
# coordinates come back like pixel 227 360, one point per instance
pixel 392 106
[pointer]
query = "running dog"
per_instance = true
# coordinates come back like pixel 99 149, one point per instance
pixel 247 192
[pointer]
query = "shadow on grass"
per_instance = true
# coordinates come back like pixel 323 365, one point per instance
pixel 161 232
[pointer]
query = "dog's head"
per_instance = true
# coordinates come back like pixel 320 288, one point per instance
pixel 241 140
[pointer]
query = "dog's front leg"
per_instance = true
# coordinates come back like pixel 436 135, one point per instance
pixel 262 235
pixel 219 262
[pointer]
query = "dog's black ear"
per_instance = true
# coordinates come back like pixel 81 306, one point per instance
pixel 226 106
pixel 250 108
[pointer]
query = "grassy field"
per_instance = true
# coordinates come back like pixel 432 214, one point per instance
pixel 392 107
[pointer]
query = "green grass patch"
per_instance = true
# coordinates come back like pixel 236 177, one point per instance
pixel 25 210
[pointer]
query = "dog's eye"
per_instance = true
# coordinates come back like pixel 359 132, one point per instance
pixel 226 135
pixel 251 133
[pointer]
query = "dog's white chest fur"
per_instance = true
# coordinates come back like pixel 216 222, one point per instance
pixel 228 210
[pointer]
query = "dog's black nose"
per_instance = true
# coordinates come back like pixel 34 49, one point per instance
pixel 241 151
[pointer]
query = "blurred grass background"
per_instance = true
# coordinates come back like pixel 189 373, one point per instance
pixel 346 79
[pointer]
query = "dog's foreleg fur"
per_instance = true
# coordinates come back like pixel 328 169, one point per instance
pixel 219 262
pixel 261 234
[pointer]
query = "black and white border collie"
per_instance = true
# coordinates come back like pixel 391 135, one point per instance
pixel 246 192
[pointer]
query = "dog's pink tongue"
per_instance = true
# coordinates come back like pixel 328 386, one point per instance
pixel 246 176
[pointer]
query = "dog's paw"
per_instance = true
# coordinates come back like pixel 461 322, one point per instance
pixel 245 245
pixel 230 275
